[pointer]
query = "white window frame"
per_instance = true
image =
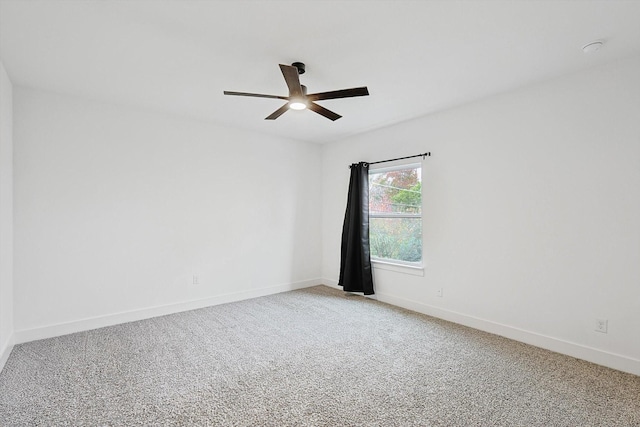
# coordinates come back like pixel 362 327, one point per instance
pixel 413 268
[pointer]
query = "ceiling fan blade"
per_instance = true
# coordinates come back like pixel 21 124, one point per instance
pixel 280 111
pixel 335 94
pixel 255 95
pixel 324 112
pixel 290 74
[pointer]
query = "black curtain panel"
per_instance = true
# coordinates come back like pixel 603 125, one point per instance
pixel 355 259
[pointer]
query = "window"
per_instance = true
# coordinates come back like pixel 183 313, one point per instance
pixel 395 214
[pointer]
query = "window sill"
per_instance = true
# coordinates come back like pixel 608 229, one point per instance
pixel 413 270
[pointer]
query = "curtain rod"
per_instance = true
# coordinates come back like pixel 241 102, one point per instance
pixel 423 155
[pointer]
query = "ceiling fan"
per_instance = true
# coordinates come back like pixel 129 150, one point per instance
pixel 298 98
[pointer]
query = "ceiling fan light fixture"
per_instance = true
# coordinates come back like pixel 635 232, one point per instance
pixel 298 105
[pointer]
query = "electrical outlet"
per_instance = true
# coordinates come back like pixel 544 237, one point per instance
pixel 602 325
pixel 439 292
pixel 195 280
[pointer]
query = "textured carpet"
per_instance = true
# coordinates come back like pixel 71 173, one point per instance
pixel 313 357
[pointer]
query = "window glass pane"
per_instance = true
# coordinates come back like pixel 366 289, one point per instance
pixel 395 191
pixel 398 239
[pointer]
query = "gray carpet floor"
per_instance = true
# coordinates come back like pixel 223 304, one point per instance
pixel 312 357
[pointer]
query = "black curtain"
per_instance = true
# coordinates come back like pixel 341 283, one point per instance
pixel 355 259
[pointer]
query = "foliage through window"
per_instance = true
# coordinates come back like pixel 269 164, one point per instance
pixel 395 214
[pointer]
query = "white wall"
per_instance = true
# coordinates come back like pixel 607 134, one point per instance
pixel 6 216
pixel 531 213
pixel 116 209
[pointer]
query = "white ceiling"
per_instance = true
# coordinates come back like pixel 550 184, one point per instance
pixel 416 57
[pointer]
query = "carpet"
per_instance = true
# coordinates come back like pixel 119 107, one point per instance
pixel 311 357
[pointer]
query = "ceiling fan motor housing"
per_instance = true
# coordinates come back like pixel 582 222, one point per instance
pixel 300 66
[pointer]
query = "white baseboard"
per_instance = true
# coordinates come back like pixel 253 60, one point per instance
pixel 50 331
pixel 600 357
pixel 331 283
pixel 6 351
pixel 334 284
